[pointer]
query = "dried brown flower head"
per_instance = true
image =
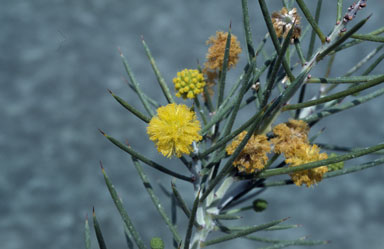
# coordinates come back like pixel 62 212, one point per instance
pixel 215 55
pixel 253 157
pixel 288 135
pixel 283 21
pixel 305 153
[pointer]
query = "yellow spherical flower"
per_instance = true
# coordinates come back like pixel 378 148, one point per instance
pixel 287 135
pixel 305 153
pixel 215 55
pixel 174 129
pixel 253 157
pixel 282 23
pixel 189 83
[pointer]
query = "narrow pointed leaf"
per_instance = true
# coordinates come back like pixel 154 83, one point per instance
pixel 145 160
pixel 276 66
pixel 159 77
pixel 226 217
pixel 87 234
pixel 299 242
pixel 191 222
pixel 247 30
pixel 373 65
pixel 373 38
pixel 356 42
pixel 275 41
pixel 339 41
pixel 313 34
pixel 99 234
pixel 123 213
pixel 156 200
pixel 357 168
pixel 311 20
pixel 136 86
pixel 223 72
pixel 241 233
pixel 130 108
pixel 333 110
pixel 182 204
pixel 128 237
pixel 341 94
pixel 340 80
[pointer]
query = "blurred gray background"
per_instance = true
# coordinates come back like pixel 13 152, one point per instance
pixel 57 60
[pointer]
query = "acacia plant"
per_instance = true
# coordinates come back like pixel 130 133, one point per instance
pixel 195 123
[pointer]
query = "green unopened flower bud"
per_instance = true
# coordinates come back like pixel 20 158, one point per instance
pixel 157 243
pixel 259 205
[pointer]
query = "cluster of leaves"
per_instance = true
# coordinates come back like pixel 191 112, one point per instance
pixel 272 86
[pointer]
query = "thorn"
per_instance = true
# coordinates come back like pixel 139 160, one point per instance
pixel 102 132
pixel 309 76
pixel 363 5
pixel 101 165
pixel 338 22
pixel 93 211
pixel 327 39
pixel 230 25
pixel 121 53
pixel 285 219
pixel 110 91
pixel 126 142
pixel 86 216
pixel 142 38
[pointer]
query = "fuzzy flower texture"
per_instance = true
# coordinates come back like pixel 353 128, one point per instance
pixel 215 55
pixel 174 129
pixel 291 139
pixel 253 157
pixel 189 83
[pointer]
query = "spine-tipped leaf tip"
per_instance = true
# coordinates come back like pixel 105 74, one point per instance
pixel 102 132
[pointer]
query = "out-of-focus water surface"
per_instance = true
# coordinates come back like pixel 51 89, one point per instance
pixel 58 59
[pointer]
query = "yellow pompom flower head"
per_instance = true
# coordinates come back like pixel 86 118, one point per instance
pixel 284 20
pixel 173 129
pixel 189 83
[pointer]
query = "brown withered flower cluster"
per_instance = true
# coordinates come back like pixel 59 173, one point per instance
pixel 215 56
pixel 284 20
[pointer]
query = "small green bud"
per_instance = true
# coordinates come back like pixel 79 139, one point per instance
pixel 259 205
pixel 157 243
